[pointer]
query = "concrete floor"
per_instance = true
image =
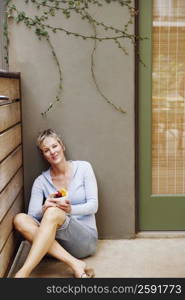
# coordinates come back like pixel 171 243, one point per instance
pixel 140 257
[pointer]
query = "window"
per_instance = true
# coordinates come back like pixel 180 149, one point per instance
pixel 168 97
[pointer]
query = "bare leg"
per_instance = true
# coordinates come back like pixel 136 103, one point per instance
pixel 43 239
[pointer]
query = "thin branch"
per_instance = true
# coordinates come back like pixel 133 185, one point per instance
pixel 95 81
pixel 58 97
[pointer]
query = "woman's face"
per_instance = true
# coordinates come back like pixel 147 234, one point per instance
pixel 52 150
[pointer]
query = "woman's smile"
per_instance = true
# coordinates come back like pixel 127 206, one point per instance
pixel 54 157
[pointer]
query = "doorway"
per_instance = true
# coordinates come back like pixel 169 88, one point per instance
pixel 162 115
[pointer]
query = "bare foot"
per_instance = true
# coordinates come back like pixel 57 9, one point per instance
pixel 18 275
pixel 21 274
pixel 89 273
pixel 79 269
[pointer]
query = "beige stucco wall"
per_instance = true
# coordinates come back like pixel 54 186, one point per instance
pixel 92 129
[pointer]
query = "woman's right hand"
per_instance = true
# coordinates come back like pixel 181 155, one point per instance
pixel 48 203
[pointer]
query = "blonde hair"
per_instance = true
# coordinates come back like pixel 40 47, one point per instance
pixel 48 133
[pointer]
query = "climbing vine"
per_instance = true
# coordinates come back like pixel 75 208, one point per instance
pixel 40 24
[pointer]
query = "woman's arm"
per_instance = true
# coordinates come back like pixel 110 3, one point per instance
pixel 91 193
pixel 36 200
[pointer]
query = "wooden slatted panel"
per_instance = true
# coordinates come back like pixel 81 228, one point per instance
pixel 7 253
pixel 6 226
pixel 8 195
pixel 9 115
pixel 10 87
pixel 9 167
pixel 9 140
pixel 11 172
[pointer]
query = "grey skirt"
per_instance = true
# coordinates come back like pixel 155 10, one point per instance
pixel 76 238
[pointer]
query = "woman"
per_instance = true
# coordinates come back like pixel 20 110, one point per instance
pixel 65 229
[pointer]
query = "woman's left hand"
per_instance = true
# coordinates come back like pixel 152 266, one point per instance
pixel 64 205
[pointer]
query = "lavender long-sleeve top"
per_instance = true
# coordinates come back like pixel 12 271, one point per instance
pixel 82 192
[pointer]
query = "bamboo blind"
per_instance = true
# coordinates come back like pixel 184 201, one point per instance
pixel 168 97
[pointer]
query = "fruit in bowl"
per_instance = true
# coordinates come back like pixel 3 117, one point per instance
pixel 62 193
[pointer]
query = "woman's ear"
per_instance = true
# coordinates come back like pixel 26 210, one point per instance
pixel 63 147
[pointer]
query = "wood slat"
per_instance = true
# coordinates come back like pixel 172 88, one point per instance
pixel 10 114
pixel 9 140
pixel 10 87
pixel 8 74
pixel 8 195
pixel 7 253
pixel 9 167
pixel 6 225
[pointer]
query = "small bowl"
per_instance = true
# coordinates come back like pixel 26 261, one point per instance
pixel 61 198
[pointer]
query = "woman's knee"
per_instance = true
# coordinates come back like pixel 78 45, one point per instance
pixel 25 225
pixel 19 220
pixel 54 214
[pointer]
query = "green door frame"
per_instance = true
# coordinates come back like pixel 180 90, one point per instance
pixel 156 212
